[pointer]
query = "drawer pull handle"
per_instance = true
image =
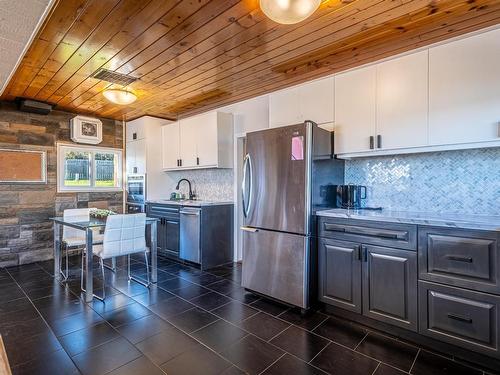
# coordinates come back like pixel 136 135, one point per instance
pixel 390 234
pixel 460 318
pixel 459 258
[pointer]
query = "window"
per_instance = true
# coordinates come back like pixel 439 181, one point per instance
pixel 84 168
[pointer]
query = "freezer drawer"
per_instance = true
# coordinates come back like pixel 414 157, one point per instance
pixel 276 264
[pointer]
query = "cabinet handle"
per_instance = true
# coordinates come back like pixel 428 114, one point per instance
pixel 460 318
pixel 135 169
pixel 372 142
pixel 180 162
pixel 359 252
pixel 365 253
pixel 134 135
pixel 365 231
pixel 197 161
pixel 379 141
pixel 459 258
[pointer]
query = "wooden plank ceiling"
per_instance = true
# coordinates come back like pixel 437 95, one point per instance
pixel 194 55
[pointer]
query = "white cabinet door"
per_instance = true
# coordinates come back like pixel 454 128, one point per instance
pixel 464 90
pixel 355 109
pixel 136 129
pixel 284 108
pixel 130 151
pixel 402 101
pixel 140 156
pixel 170 145
pixel 316 101
pixel 188 136
pixel 136 157
pixel 207 140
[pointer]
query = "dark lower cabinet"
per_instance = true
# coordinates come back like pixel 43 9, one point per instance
pixel 167 228
pixel 340 274
pixel 379 282
pixel 171 235
pixel 465 318
pixel 441 282
pixel 390 286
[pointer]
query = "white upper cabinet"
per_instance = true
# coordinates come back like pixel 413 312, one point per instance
pixel 355 94
pixel 188 136
pixel 284 107
pixel 203 141
pixel 316 101
pixel 310 101
pixel 144 137
pixel 402 102
pixel 170 145
pixel 207 140
pixel 136 157
pixel 464 83
pixel 136 130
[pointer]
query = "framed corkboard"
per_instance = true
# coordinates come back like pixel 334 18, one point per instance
pixel 23 166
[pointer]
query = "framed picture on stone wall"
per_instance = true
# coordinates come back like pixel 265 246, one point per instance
pixel 86 130
pixel 23 166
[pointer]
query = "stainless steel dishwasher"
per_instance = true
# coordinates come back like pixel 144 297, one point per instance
pixel 189 246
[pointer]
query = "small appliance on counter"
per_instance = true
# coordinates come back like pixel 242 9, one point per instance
pixel 350 196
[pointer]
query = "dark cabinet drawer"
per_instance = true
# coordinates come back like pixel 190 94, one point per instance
pixel 163 210
pixel 461 317
pixel 402 236
pixel 459 257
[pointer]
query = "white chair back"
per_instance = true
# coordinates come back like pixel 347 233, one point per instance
pixel 75 215
pixel 123 235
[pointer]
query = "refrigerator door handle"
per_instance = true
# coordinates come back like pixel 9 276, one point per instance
pixel 248 229
pixel 246 199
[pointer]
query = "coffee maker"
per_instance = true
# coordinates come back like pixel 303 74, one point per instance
pixel 350 196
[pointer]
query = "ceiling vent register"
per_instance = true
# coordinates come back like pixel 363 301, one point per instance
pixel 114 77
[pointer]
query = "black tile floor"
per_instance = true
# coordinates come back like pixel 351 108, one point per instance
pixel 191 322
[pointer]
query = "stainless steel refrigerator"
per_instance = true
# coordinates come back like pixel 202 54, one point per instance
pixel 286 173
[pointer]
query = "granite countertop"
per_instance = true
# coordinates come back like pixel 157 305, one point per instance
pixel 192 203
pixel 451 220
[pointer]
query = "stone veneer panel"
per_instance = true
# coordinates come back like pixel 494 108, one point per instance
pixel 25 231
pixel 465 181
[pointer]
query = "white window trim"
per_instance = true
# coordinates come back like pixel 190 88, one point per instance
pixel 62 147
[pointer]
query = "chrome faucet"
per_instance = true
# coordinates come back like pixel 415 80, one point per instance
pixel 191 194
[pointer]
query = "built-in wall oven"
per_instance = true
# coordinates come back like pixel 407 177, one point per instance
pixel 136 193
pixel 134 208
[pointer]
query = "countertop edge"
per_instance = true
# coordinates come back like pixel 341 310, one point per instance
pixel 431 221
pixel 190 204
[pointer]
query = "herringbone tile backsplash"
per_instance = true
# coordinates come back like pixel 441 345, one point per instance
pixel 465 181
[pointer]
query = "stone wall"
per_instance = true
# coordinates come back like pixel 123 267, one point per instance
pixel 25 231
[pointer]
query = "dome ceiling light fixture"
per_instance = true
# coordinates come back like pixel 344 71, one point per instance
pixel 289 11
pixel 120 96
